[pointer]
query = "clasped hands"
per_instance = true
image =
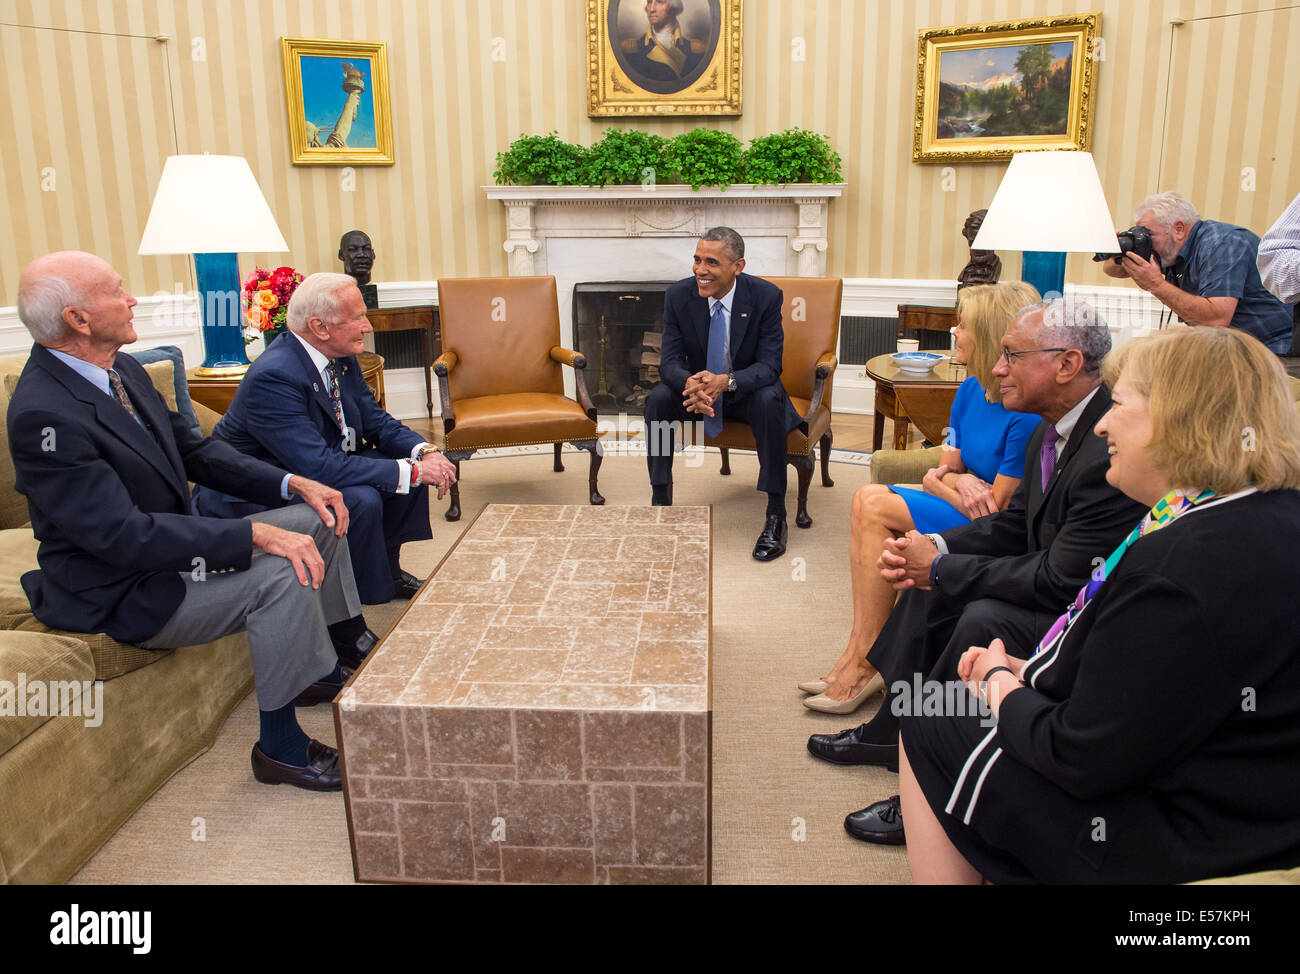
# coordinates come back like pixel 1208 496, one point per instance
pixel 905 562
pixel 702 390
pixel 437 471
pixel 976 495
pixel 974 665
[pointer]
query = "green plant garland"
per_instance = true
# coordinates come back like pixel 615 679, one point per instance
pixel 700 157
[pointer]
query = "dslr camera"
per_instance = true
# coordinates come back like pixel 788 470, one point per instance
pixel 1136 239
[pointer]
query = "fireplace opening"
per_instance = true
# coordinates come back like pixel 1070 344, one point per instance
pixel 618 326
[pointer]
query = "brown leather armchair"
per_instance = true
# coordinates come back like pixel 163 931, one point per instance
pixel 500 378
pixel 810 318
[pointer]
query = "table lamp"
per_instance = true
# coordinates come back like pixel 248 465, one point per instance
pixel 1047 205
pixel 211 207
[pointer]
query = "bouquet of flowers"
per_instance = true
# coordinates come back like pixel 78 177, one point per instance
pixel 266 299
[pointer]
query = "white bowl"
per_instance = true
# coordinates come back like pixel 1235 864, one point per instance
pixel 917 362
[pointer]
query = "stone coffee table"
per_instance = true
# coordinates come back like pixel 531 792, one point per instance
pixel 541 711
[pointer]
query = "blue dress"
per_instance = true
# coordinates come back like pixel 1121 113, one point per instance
pixel 992 441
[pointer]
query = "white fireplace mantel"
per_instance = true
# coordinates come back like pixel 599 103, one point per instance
pixel 784 226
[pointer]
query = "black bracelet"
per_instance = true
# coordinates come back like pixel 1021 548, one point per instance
pixel 998 669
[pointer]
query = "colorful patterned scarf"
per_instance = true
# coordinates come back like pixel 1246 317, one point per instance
pixel 1170 507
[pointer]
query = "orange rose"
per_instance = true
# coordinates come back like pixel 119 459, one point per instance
pixel 266 299
pixel 258 318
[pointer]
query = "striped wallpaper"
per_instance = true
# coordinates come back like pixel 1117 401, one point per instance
pixel 93 104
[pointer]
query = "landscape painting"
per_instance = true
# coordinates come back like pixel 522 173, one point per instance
pixel 1004 91
pixel 986 91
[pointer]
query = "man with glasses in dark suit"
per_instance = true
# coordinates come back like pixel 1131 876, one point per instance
pixel 1009 574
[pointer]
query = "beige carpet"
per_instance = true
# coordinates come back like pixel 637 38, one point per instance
pixel 777 812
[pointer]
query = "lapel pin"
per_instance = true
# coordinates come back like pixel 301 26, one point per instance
pixel 315 387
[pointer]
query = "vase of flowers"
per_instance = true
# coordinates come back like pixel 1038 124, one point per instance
pixel 266 301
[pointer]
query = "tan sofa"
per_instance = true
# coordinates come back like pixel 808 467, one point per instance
pixel 65 786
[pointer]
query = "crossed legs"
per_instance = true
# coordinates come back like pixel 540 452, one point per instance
pixel 878 513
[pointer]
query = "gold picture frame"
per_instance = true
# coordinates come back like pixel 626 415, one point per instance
pixel 987 91
pixel 336 95
pixel 631 71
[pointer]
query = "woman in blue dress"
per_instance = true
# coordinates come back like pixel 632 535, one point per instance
pixel 983 462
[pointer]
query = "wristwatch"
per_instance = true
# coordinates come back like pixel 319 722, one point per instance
pixel 731 381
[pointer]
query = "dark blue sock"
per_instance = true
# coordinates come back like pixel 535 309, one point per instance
pixel 776 505
pixel 281 738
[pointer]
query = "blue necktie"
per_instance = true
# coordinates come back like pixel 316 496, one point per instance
pixel 716 363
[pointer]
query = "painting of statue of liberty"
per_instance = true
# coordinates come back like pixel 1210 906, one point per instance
pixel 338 102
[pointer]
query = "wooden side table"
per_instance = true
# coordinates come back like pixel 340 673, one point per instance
pixel 925 318
pixel 930 395
pixel 218 393
pixel 416 317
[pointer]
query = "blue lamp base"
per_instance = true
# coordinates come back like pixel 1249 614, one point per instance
pixel 223 322
pixel 1045 270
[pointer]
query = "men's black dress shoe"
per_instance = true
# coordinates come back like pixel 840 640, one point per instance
pixel 322 691
pixel 405 585
pixel 321 772
pixel 771 543
pixel 352 652
pixel 881 823
pixel 847 747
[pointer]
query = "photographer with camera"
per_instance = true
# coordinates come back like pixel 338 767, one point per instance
pixel 1202 270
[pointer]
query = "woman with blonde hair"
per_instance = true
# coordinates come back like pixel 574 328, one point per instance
pixel 1154 734
pixel 983 462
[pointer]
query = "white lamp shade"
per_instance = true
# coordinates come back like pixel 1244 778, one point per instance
pixel 210 205
pixel 1049 201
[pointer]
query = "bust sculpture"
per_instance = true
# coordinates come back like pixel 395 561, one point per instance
pixel 358 260
pixel 984 267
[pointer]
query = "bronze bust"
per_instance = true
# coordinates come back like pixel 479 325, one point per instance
pixel 358 258
pixel 985 267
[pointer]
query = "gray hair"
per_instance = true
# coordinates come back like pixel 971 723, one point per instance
pixel 1071 322
pixel 41 304
pixel 316 297
pixel 731 241
pixel 1168 208
pixel 675 6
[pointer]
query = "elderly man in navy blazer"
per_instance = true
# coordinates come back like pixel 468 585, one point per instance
pixel 104 467
pixel 303 404
pixel 721 357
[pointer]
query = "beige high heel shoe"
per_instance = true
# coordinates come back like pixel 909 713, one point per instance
pixel 824 704
pixel 814 686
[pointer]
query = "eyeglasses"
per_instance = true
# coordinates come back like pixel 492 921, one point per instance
pixel 1009 356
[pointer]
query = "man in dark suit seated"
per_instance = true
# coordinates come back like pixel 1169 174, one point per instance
pixel 304 405
pixel 1009 574
pixel 721 356
pixel 104 466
